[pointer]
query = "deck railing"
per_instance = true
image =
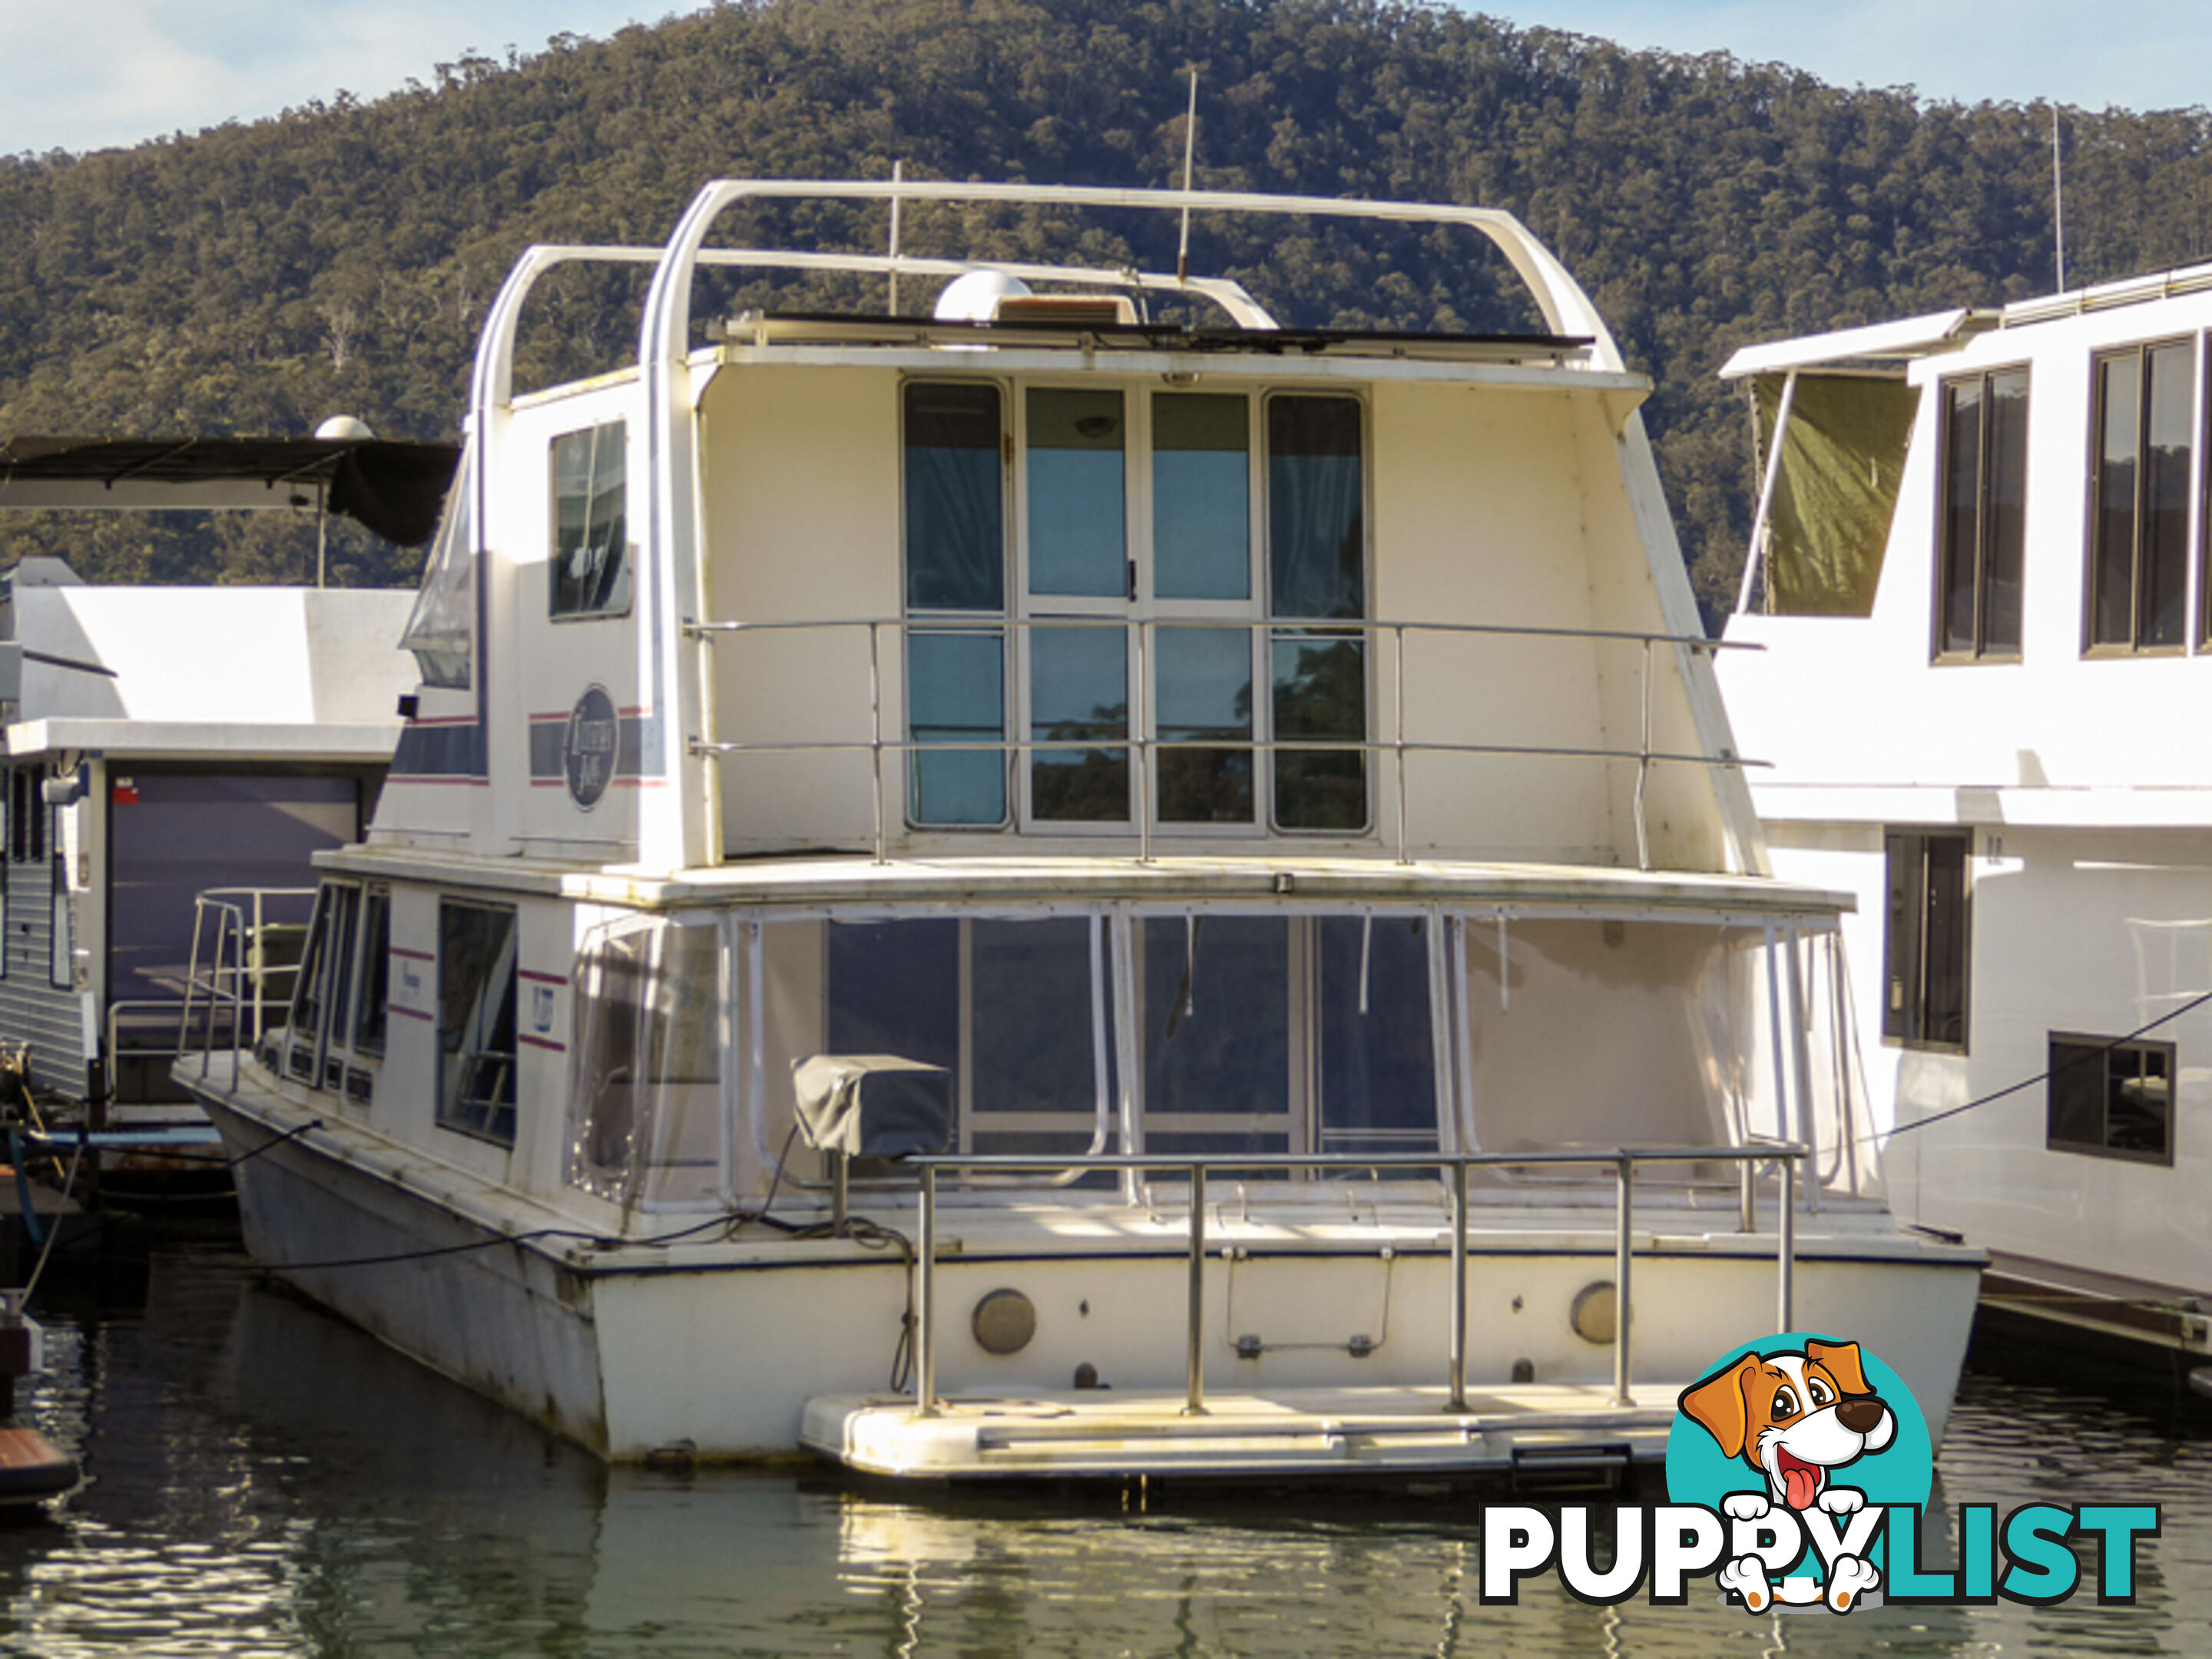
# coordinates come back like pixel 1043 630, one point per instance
pixel 1144 747
pixel 1623 1161
pixel 235 974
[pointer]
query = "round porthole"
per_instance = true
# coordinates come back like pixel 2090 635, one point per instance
pixel 1594 1315
pixel 1003 1321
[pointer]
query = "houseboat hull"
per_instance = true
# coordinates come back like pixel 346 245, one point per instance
pixel 717 1348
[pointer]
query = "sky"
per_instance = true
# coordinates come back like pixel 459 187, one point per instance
pixel 82 75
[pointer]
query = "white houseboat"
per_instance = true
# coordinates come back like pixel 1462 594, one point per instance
pixel 1256 798
pixel 1982 557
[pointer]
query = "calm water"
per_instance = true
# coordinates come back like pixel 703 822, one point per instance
pixel 265 1481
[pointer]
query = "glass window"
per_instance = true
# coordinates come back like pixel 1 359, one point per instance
pixel 1217 1034
pixel 375 974
pixel 957 694
pixel 2139 544
pixel 1201 496
pixel 1983 515
pixel 2111 1097
pixel 346 917
pixel 1202 689
pixel 60 964
pixel 1078 543
pixel 955 498
pixel 591 557
pixel 1925 939
pixel 441 628
pixel 476 1020
pixel 1320 697
pixel 1079 694
pixel 311 991
pixel 1316 508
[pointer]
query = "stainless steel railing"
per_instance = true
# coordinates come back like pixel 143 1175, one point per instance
pixel 1623 1161
pixel 237 973
pixel 1143 746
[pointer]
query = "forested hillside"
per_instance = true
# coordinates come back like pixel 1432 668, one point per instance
pixel 256 278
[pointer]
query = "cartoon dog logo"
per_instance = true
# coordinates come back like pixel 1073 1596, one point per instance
pixel 1794 1416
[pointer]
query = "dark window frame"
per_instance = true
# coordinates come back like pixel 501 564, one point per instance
pixel 2139 592
pixel 1982 649
pixel 2107 1057
pixel 1910 991
pixel 459 1107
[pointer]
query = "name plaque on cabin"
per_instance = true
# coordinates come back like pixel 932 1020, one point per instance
pixel 589 746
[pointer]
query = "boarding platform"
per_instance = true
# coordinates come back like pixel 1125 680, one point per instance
pixel 1537 1437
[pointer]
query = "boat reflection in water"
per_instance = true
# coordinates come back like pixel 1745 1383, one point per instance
pixel 267 1479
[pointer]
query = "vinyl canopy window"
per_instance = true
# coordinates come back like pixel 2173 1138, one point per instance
pixel 1176 557
pixel 1983 522
pixel 1258 1033
pixel 2139 575
pixel 1925 936
pixel 591 549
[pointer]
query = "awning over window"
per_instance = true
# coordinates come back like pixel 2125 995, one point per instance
pixel 394 489
pixel 1843 457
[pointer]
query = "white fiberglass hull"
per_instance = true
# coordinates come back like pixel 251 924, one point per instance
pixel 717 1347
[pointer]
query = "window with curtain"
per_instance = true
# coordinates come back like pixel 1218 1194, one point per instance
pixel 955 494
pixel 1316 570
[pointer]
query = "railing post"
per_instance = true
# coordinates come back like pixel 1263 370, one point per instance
pixel 1785 1250
pixel 924 1294
pixel 1139 713
pixel 1398 715
pixel 1643 769
pixel 1459 1287
pixel 1747 1169
pixel 1195 1405
pixel 1625 1173
pixel 876 723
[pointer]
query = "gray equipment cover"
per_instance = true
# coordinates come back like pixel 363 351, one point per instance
pixel 874 1105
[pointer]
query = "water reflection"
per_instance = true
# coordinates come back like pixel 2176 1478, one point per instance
pixel 267 1481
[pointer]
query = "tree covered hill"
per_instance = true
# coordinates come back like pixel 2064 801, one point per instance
pixel 256 278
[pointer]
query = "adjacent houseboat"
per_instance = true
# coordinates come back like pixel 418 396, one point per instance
pixel 1981 586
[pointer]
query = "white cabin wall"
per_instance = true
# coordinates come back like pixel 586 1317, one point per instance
pixel 2090 883
pixel 2091 931
pixel 549 663
pixel 1479 519
pixel 544 957
pixel 407 1082
pixel 802 510
pixel 1629 561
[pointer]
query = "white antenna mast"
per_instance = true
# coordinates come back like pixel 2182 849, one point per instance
pixel 2058 197
pixel 1189 149
pixel 899 172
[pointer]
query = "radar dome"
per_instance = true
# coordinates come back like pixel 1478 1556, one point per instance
pixel 974 297
pixel 344 428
